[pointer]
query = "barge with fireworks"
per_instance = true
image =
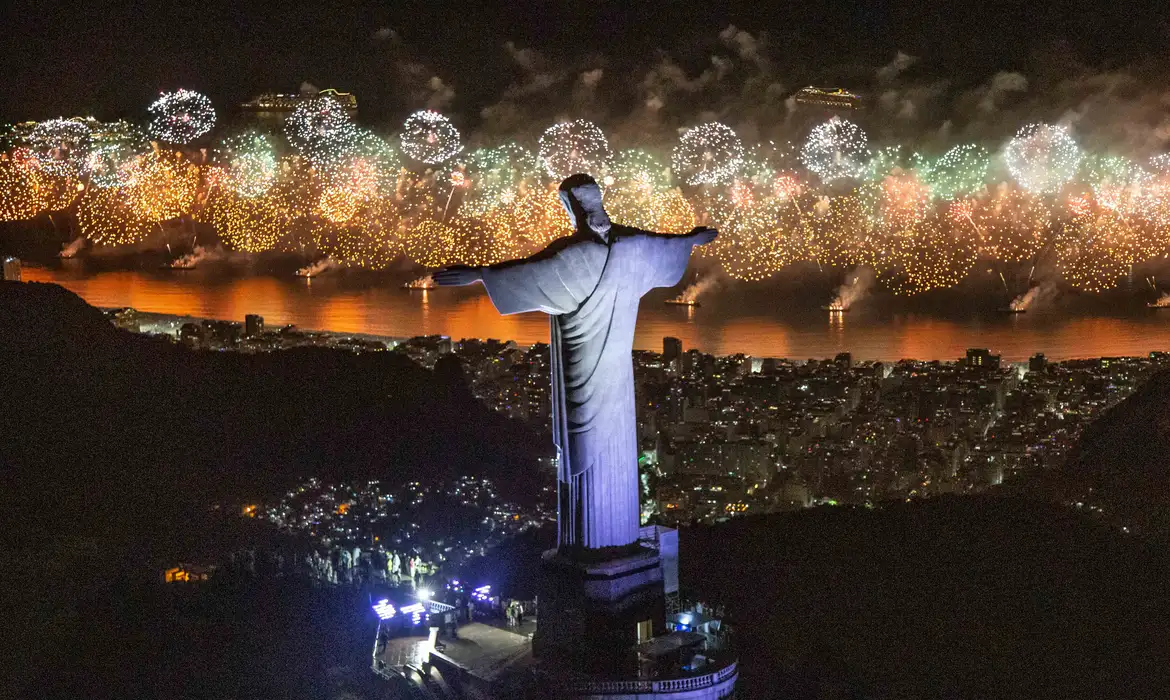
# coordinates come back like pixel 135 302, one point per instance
pixel 421 284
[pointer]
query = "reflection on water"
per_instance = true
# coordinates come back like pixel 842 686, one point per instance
pixel 720 326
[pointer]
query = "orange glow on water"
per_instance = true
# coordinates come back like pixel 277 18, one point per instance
pixel 718 327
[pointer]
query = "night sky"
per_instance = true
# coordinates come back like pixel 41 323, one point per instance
pixel 110 59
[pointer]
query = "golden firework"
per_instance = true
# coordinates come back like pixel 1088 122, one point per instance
pixel 106 218
pixel 161 185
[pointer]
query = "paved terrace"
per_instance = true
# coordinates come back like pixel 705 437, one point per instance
pixel 481 650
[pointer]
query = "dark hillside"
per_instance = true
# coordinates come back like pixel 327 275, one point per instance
pixel 99 427
pixel 972 597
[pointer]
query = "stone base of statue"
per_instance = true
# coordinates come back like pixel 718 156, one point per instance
pixel 594 607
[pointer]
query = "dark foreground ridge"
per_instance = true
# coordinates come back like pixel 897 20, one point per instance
pixel 1121 464
pixel 101 425
pixel 955 597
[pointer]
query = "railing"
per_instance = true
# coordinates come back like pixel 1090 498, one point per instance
pixel 670 686
pixel 434 606
pixel 385 671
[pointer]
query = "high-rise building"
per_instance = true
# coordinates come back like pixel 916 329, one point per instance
pixel 844 360
pixel 12 269
pixel 191 335
pixel 982 357
pixel 253 325
pixel 672 349
pixel 1037 363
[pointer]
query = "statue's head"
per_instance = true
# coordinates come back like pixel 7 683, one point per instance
pixel 582 199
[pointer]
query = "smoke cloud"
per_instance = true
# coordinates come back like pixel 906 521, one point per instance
pixel 748 83
pixel 424 282
pixel 857 284
pixel 1036 297
pixel 71 249
pixel 319 267
pixel 200 254
pixel 691 294
pixel 897 66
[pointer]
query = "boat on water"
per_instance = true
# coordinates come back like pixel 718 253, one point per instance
pixel 683 302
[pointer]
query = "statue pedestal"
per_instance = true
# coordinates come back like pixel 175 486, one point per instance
pixel 590 612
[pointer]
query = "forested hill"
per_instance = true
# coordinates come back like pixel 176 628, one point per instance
pixel 105 430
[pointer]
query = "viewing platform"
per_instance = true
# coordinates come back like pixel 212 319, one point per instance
pixel 694 660
pixel 441 667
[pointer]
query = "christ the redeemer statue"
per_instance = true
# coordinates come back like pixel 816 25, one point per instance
pixel 590 284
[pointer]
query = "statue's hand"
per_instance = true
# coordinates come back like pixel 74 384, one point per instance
pixel 702 235
pixel 457 276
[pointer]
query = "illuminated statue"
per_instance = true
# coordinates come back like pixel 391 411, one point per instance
pixel 590 284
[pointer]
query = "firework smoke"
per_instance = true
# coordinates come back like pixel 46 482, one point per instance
pixel 1035 296
pixel 857 284
pixel 424 283
pixel 1162 301
pixel 198 255
pixel 691 294
pixel 72 248
pixel 318 268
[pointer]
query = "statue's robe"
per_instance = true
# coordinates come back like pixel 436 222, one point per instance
pixel 591 287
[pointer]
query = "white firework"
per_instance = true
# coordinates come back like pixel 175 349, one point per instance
pixel 429 137
pixel 836 149
pixel 181 117
pixel 1042 157
pixel 61 146
pixel 321 130
pixel 573 147
pixel 709 154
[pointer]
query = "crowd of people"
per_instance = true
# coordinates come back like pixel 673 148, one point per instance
pixel 338 565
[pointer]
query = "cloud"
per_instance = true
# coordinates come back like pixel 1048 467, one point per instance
pixel 900 63
pixel 591 78
pixel 1001 84
pixel 525 58
pixel 746 46
pixel 441 94
pixel 422 87
pixel 744 83
pixel 913 102
pixel 385 34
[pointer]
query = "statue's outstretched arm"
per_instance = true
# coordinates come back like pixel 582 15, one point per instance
pixel 700 235
pixel 461 275
pixel 665 256
pixel 556 280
